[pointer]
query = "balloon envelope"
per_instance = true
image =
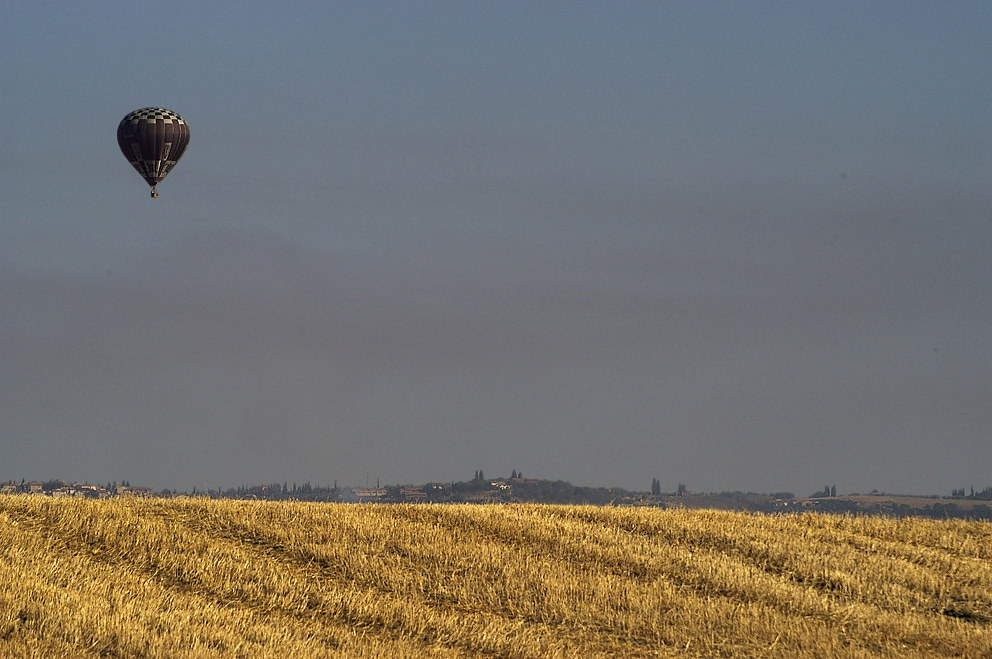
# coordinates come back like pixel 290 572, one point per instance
pixel 153 141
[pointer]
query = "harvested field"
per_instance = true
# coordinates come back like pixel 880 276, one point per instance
pixel 200 578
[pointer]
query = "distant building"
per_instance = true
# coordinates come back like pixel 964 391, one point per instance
pixel 413 493
pixel 129 491
pixel 369 492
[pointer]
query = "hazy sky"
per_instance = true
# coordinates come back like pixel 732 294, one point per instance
pixel 733 245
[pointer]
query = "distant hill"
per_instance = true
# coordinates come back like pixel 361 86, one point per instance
pixel 977 506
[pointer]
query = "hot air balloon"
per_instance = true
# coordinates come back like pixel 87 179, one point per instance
pixel 153 141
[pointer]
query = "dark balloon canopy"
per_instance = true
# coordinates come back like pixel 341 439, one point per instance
pixel 153 141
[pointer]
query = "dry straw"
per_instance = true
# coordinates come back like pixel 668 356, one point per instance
pixel 200 578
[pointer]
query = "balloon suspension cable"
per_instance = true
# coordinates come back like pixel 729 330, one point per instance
pixel 154 194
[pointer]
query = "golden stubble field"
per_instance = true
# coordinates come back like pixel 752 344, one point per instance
pixel 201 578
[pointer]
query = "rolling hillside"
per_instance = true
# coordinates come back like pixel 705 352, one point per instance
pixel 204 578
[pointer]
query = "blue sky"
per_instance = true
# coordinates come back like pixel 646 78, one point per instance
pixel 733 245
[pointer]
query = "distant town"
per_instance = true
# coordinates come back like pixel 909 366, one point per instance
pixel 961 504
pixel 59 488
